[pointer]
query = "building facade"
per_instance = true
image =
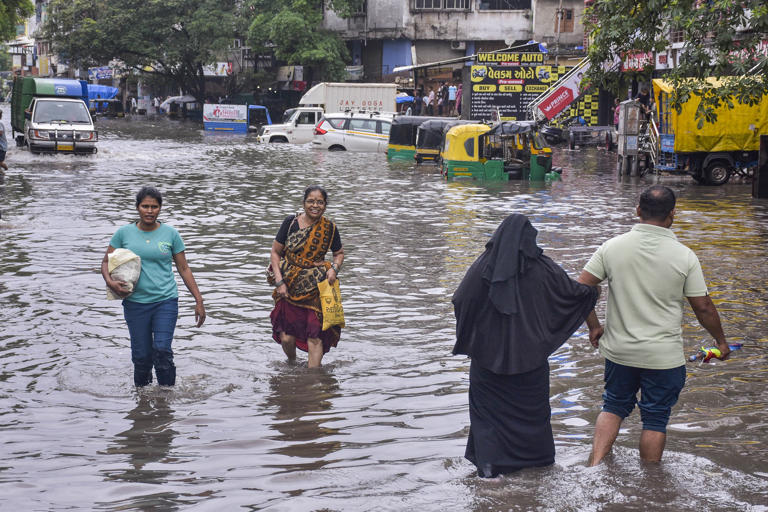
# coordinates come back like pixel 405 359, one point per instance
pixel 387 34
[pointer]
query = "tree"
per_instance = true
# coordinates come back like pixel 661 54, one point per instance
pixel 12 13
pixel 722 39
pixel 292 30
pixel 171 39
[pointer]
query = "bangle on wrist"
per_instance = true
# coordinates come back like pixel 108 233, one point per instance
pixel 279 283
pixel 335 267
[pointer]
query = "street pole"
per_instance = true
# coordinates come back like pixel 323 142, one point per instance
pixel 559 21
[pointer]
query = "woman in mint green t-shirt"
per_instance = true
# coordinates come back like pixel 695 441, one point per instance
pixel 152 309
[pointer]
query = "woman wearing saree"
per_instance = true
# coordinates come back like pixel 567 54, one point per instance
pixel 298 262
pixel 514 308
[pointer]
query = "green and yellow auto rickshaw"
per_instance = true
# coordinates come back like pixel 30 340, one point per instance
pixel 429 139
pixel 402 136
pixel 508 149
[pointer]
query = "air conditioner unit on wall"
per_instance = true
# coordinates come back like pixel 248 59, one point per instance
pixel 458 45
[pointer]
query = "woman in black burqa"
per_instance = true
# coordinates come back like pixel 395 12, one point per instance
pixel 514 308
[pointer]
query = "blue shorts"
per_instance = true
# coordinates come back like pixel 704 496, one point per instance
pixel 660 390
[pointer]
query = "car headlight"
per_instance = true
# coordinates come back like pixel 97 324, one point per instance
pixel 86 136
pixel 40 134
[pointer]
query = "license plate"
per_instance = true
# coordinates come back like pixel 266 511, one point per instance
pixel 65 147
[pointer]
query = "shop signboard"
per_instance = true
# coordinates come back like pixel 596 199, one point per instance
pixel 100 73
pixel 218 69
pixel 506 83
pixel 226 118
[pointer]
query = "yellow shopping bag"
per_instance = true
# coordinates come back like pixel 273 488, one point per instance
pixel 330 303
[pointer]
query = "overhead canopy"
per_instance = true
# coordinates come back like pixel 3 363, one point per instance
pixel 178 99
pixel 530 46
pixel 103 92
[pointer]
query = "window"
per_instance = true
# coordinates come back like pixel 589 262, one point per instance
pixel 677 36
pixel 427 4
pixel 337 122
pixel 385 126
pixel 469 147
pixel 453 5
pixel 504 5
pixel 306 118
pixel 363 125
pixel 458 5
pixel 566 21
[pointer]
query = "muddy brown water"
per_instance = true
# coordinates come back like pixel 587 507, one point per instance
pixel 383 425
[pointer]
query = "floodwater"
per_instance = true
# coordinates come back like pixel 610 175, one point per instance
pixel 383 425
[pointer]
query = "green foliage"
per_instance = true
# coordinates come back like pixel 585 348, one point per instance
pixel 173 39
pixel 292 30
pixel 720 40
pixel 5 59
pixel 12 13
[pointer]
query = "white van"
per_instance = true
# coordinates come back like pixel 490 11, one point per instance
pixel 59 125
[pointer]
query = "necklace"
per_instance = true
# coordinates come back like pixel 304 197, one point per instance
pixel 146 234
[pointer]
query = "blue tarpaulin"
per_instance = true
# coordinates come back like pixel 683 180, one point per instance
pixel 105 92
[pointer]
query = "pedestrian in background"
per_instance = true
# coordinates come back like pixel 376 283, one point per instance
pixel 616 110
pixel 649 273
pixel 297 261
pixel 452 100
pixel 430 102
pixel 3 144
pixel 459 92
pixel 514 308
pixel 417 102
pixel 442 95
pixel 152 309
pixel 644 98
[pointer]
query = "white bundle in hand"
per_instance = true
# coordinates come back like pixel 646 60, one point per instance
pixel 123 265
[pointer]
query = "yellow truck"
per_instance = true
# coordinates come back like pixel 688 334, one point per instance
pixel 712 153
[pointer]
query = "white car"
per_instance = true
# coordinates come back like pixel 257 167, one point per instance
pixel 353 132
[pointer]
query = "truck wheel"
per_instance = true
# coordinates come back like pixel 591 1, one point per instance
pixel 282 140
pixel 608 142
pixel 19 141
pixel 717 173
pixel 571 140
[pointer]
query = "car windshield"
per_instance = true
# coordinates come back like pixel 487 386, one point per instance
pixel 61 112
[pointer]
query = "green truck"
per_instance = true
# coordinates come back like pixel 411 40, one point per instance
pixel 51 115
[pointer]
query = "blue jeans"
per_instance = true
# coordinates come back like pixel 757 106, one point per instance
pixel 659 392
pixel 151 328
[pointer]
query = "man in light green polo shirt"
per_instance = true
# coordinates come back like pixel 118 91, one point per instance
pixel 649 273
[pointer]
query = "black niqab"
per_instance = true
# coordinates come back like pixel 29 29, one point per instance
pixel 515 306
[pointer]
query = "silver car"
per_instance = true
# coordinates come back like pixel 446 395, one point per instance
pixel 364 132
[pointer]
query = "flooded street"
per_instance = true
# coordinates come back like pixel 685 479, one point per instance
pixel 383 425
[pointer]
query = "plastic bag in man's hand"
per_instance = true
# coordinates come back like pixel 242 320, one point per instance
pixel 123 265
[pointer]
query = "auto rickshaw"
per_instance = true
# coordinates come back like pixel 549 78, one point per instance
pixel 258 116
pixel 111 107
pixel 402 136
pixel 429 139
pixel 508 149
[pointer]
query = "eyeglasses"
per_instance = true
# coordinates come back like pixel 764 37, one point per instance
pixel 312 202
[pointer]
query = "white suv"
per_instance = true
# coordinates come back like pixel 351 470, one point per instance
pixel 353 132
